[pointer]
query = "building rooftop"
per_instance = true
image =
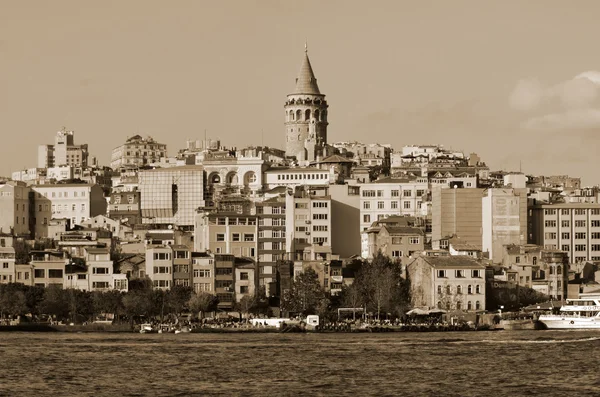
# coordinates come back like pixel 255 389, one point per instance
pixel 453 262
pixel 306 82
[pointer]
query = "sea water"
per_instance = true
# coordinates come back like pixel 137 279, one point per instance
pixel 501 363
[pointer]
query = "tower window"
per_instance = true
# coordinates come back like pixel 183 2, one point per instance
pixel 307 114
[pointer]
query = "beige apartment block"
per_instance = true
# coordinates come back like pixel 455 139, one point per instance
pixel 137 152
pixel 504 220
pixel 570 227
pixel 448 283
pixel 456 211
pixel 14 208
pixel 7 265
pixel 308 223
pixel 74 202
pixel 387 197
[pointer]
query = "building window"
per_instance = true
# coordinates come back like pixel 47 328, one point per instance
pixel 235 237
pixel 470 289
pixel 394 205
pixel 366 218
pixel 441 273
pixel 475 273
pixel 477 305
pixel 244 276
pixel 406 205
pixel 565 223
pixel 478 289
pixel 248 236
pixel 220 236
pixel 414 240
pixel 396 254
pixel 380 205
pixel 459 289
pixel 367 205
pixel 459 273
pixel 407 193
pixel 395 193
pixel 580 223
pixel 550 223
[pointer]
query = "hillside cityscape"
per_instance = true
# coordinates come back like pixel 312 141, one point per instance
pixel 314 228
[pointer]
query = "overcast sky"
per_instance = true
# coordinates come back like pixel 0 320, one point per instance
pixel 513 81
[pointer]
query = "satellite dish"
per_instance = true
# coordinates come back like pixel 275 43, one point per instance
pixel 170 227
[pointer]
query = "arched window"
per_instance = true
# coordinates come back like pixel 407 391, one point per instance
pixel 324 115
pixel 478 289
pixel 448 290
pixel 470 289
pixel 232 178
pixel 551 269
pixel 249 178
pixel 459 289
pixel 298 115
pixel 559 270
pixel 458 305
pixel 535 260
pixel 439 289
pixel 317 114
pixel 215 178
pixel 469 305
pixel 307 114
pixel 477 305
pixel 291 115
pixel 439 305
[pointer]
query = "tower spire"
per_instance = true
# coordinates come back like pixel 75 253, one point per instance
pixel 306 46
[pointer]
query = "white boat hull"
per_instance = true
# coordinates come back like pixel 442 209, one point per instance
pixel 569 322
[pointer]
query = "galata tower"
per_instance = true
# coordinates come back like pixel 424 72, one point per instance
pixel 305 117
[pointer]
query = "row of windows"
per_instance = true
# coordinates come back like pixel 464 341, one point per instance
pixel 566 223
pixel 576 211
pixel 320 204
pixel 236 221
pixel 202 287
pixel 411 240
pixel 394 205
pixel 236 237
pixel 162 256
pixel 64 194
pixel 459 289
pixel 448 305
pixel 459 273
pixel 301 176
pixel 65 207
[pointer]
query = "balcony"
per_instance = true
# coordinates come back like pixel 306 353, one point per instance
pixel 337 279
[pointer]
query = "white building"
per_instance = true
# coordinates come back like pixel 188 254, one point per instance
pixel 308 223
pixel 298 176
pixel 504 220
pixel 7 265
pixel 387 197
pixel 75 202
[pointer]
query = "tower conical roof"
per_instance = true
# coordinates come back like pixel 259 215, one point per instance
pixel 306 82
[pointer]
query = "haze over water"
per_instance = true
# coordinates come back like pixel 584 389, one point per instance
pixel 535 363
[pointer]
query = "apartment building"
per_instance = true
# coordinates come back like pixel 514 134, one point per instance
pixel 182 265
pixel 570 227
pixel 7 265
pixel 296 176
pixel 271 215
pixel 245 275
pixel 308 223
pixel 171 196
pixel 137 152
pixel 48 267
pixel 504 220
pixel 226 233
pixel 456 212
pixel 159 266
pixel 125 206
pixel 63 152
pixel 387 197
pixel 203 272
pixel 225 281
pixel 397 242
pixel 14 208
pixel 74 202
pixel 447 282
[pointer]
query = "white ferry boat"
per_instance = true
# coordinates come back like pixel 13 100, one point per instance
pixel 582 313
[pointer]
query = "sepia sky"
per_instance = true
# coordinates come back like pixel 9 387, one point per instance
pixel 514 81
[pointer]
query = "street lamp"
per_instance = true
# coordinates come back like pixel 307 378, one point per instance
pixel 500 310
